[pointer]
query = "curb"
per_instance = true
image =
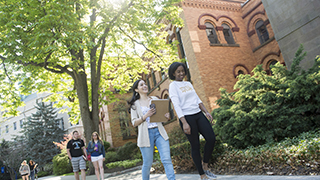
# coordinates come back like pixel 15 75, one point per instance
pixel 124 171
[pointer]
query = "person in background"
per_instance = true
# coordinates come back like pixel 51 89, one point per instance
pixel 97 151
pixel 32 166
pixel 149 134
pixel 24 170
pixel 77 154
pixel 36 172
pixel 190 111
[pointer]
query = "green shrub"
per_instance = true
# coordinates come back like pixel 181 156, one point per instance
pixel 112 149
pixel 125 164
pixel 138 155
pixel 106 145
pixel 127 151
pixel 43 173
pixel 48 168
pixel 177 136
pixel 181 154
pixel 111 157
pixel 270 108
pixel 292 155
pixel 61 163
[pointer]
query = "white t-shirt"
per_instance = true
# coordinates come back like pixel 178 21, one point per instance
pixel 184 98
pixel 144 110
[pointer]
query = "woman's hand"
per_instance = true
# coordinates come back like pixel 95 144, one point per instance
pixel 150 112
pixel 104 159
pixel 167 115
pixel 186 128
pixel 209 117
pixel 95 148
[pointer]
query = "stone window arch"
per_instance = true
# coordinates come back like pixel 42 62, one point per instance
pixel 240 69
pixel 227 34
pixel 211 33
pixel 262 31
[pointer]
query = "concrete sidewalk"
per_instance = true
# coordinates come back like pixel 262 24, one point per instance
pixel 136 175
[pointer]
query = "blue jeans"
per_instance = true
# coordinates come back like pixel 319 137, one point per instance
pixel 164 150
pixel 32 175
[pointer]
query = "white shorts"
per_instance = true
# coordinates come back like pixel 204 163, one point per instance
pixel 96 158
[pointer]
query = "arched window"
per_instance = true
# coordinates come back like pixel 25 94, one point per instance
pixel 240 72
pixel 272 62
pixel 227 34
pixel 262 31
pixel 211 33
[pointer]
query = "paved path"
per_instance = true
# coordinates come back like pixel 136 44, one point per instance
pixel 136 175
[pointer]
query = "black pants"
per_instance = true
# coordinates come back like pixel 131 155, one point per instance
pixel 200 124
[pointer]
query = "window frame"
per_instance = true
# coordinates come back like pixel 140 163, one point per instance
pixel 226 28
pixel 213 32
pixel 21 123
pixel 260 24
pixel 124 121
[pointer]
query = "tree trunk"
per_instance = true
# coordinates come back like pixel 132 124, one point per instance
pixel 90 122
pixel 12 174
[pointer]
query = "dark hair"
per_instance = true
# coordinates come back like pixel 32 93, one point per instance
pixel 75 131
pixel 135 95
pixel 173 67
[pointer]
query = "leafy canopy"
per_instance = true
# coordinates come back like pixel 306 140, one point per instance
pixel 62 46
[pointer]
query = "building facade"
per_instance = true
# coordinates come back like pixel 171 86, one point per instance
pixel 220 40
pixel 295 23
pixel 11 127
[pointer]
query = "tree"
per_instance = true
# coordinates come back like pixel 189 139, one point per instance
pixel 40 131
pixel 270 108
pixel 11 156
pixel 67 47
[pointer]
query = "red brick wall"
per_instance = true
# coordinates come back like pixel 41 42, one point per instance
pixel 252 12
pixel 216 63
pixel 117 138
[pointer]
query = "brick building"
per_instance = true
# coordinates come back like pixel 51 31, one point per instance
pixel 220 40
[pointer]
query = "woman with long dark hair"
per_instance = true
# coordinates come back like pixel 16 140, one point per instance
pixel 96 149
pixel 149 134
pixel 190 110
pixel 32 166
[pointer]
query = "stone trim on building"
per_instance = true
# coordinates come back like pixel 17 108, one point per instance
pixel 218 28
pixel 217 5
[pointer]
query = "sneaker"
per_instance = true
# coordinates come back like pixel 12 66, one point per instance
pixel 205 178
pixel 210 174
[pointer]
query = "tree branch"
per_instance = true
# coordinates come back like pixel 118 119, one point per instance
pixel 112 22
pixel 135 41
pixel 103 37
pixel 4 67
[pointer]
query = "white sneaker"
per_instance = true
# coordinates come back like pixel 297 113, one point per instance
pixel 210 174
